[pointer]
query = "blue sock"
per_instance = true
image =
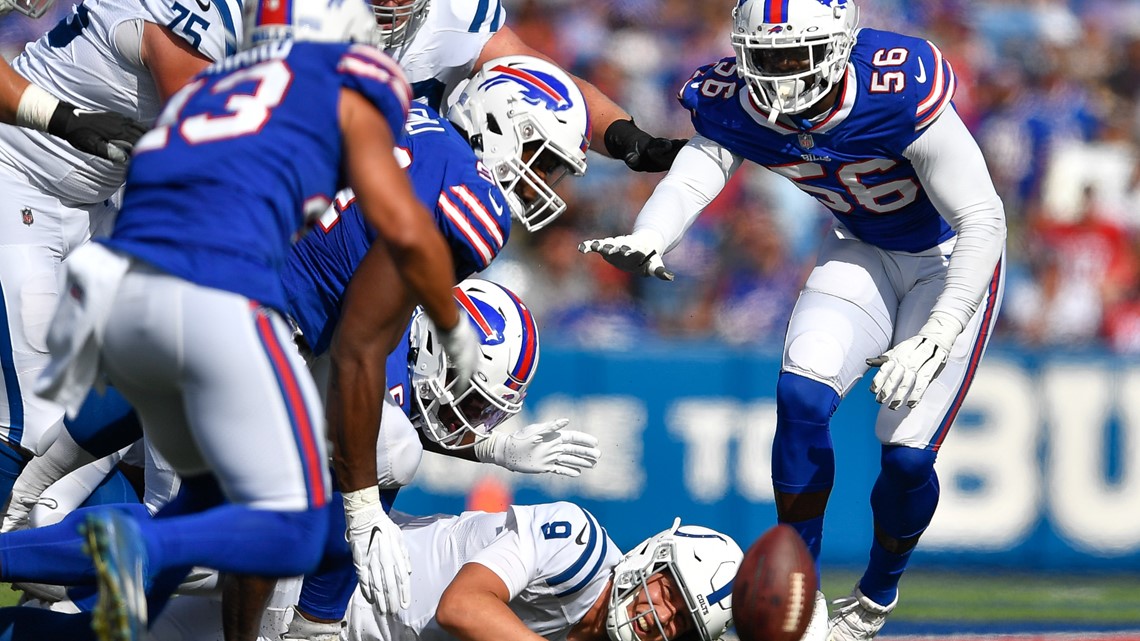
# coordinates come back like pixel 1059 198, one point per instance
pixel 53 554
pixel 803 460
pixel 11 464
pixel 903 502
pixel 34 624
pixel 326 592
pixel 106 423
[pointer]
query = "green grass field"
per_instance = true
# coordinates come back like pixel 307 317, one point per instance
pixel 947 597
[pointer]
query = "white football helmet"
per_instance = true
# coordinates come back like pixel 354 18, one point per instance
pixel 703 564
pixel 525 117
pixel 792 52
pixel 30 8
pixel 398 21
pixel 509 346
pixel 310 20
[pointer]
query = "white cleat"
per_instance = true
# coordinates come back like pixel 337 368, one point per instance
pixel 858 618
pixel 817 626
pixel 302 628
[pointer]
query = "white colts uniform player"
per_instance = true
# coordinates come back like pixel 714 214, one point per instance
pixel 55 195
pixel 442 53
pixel 555 558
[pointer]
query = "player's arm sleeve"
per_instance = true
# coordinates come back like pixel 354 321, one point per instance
pixel 475 220
pixel 512 555
pixel 934 95
pixel 212 28
pixel 371 73
pixel 950 166
pixel 699 173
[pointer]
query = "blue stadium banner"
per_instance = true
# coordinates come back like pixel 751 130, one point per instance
pixel 1041 470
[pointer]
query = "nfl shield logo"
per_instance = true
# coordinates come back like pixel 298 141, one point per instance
pixel 27 214
pixel 806 140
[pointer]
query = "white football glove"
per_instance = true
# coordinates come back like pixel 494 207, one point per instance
pixel 540 448
pixel 462 348
pixel 378 552
pixel 906 370
pixel 638 253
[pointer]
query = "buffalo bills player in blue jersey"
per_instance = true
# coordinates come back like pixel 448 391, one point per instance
pixel 909 279
pixel 181 305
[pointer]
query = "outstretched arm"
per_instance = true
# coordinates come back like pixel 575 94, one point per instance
pixel 615 134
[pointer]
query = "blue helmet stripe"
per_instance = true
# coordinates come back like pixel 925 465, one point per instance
pixel 720 593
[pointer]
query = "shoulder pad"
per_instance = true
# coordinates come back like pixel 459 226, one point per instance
pixel 473 16
pixel 712 82
pixel 213 27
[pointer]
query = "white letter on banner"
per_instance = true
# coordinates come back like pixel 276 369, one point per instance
pixel 754 454
pixel 619 424
pixel 989 473
pixel 707 426
pixel 1089 513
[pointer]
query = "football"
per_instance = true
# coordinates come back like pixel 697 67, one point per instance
pixel 774 592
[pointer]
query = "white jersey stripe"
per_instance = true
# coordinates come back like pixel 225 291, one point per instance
pixel 456 216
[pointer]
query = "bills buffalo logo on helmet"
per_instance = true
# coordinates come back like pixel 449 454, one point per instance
pixel 537 88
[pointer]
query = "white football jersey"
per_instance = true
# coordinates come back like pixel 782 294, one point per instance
pixel 93 60
pixel 554 558
pixel 443 51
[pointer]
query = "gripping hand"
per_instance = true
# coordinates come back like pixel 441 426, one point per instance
pixel 104 134
pixel 906 370
pixel 539 448
pixel 638 253
pixel 639 150
pixel 378 552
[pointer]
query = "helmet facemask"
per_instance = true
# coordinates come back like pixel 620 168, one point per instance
pixel 701 565
pixel 528 178
pixel 791 66
pixel 30 8
pixel 397 25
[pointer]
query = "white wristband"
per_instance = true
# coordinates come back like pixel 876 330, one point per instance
pixel 36 108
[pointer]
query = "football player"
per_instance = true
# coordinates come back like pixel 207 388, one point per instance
pixel 122 57
pixel 534 571
pixel 440 42
pixel 182 305
pixel 909 279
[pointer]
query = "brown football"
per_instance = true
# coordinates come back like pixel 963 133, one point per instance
pixel 774 592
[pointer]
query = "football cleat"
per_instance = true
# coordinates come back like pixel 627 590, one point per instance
pixel 817 627
pixel 858 618
pixel 302 628
pixel 116 547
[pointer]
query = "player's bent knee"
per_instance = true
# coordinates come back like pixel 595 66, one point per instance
pixel 304 535
pixel 805 400
pixel 817 354
pixel 910 466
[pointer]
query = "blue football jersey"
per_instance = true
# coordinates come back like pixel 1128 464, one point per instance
pixel 242 156
pixel 399 375
pixel 851 160
pixel 469 209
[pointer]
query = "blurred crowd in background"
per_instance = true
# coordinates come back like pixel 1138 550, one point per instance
pixel 1051 90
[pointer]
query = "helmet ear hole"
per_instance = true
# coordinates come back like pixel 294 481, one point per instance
pixel 493 125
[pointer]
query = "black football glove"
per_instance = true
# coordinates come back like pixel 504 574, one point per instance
pixel 104 134
pixel 641 151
